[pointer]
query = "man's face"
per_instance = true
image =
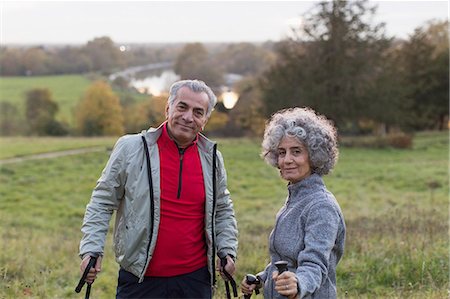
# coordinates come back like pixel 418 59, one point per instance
pixel 187 115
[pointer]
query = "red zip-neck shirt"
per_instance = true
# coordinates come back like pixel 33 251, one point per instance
pixel 180 247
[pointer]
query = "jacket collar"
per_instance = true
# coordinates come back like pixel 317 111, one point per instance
pixel 306 186
pixel 204 144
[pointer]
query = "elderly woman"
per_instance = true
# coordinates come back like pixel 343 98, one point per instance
pixel 310 231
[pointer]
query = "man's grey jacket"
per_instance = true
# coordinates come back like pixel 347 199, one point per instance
pixel 124 187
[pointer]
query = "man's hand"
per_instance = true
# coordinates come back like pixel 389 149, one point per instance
pixel 286 284
pixel 92 275
pixel 229 267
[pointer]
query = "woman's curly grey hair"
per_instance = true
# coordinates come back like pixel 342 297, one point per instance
pixel 315 131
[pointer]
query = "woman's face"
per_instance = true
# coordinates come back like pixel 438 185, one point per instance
pixel 293 160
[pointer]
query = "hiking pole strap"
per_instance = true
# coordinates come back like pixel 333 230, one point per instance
pixel 223 262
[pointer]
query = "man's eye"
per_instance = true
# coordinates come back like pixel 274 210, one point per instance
pixel 198 113
pixel 281 153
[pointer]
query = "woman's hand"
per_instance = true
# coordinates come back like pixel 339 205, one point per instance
pixel 247 289
pixel 286 284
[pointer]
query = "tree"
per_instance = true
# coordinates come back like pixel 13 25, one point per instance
pixel 247 117
pixel 329 64
pixel 10 62
pixel 35 61
pixel 194 63
pixel 40 113
pixel 142 115
pixel 245 59
pixel 426 70
pixel 99 112
pixel 103 54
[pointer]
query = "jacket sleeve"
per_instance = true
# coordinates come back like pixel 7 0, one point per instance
pixel 320 234
pixel 104 200
pixel 225 221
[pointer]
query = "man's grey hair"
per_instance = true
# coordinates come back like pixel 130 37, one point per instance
pixel 314 131
pixel 196 86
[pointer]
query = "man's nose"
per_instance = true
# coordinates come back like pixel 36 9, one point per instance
pixel 188 115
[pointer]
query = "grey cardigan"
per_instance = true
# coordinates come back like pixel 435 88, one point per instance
pixel 309 234
pixel 124 187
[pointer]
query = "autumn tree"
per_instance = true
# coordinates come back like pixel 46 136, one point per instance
pixel 245 59
pixel 104 55
pixel 35 61
pixel 247 116
pixel 40 111
pixel 99 112
pixel 142 115
pixel 194 63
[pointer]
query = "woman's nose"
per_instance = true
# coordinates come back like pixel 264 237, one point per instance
pixel 288 158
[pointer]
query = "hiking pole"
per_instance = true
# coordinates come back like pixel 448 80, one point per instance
pixel 281 266
pixel 82 281
pixel 223 262
pixel 252 279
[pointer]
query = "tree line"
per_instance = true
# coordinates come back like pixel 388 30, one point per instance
pixel 338 62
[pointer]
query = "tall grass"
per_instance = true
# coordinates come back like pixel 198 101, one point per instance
pixel 395 203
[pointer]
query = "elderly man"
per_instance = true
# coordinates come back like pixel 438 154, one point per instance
pixel 173 209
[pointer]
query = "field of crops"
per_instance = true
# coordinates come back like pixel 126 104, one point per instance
pixel 395 203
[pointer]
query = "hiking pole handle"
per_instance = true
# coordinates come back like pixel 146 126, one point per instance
pixel 281 266
pixel 223 263
pixel 82 281
pixel 252 279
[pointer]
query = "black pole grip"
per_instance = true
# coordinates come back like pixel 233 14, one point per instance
pixel 82 281
pixel 223 263
pixel 251 279
pixel 281 266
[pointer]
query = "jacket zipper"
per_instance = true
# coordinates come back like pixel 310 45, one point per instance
pixel 213 234
pixel 181 152
pixel 152 203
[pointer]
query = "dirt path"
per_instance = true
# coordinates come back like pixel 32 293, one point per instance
pixel 52 155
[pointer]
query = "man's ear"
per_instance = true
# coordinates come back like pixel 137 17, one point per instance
pixel 167 110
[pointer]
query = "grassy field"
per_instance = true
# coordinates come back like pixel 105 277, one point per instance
pixel 11 147
pixel 395 203
pixel 66 90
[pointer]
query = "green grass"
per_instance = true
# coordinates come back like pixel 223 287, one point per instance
pixel 66 90
pixel 11 147
pixel 395 203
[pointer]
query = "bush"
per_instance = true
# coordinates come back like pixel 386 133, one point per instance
pixel 393 140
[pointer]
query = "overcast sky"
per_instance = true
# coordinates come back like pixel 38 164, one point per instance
pixel 76 22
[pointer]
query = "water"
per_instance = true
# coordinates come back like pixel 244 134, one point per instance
pixel 156 84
